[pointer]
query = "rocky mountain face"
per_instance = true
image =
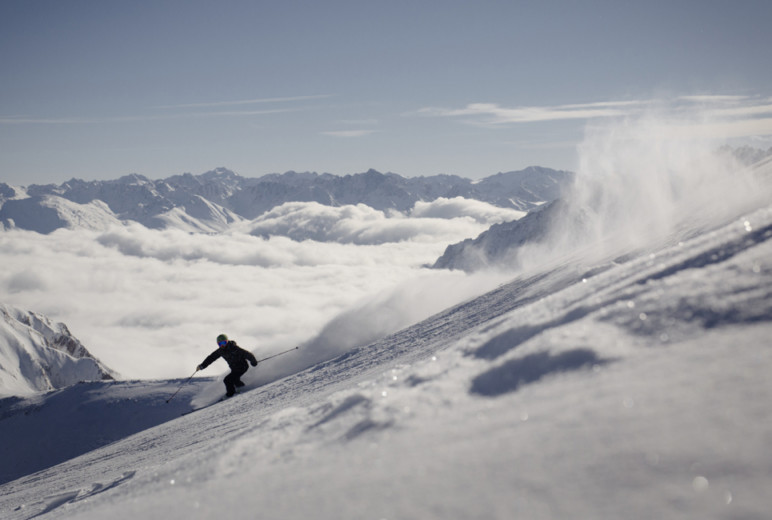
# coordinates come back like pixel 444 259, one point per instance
pixel 501 240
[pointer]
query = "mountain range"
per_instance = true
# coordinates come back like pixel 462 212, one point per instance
pixel 213 201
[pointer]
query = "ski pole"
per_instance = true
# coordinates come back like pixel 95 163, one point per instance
pixel 279 354
pixel 183 384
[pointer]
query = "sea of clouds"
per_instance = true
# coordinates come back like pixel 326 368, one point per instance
pixel 149 303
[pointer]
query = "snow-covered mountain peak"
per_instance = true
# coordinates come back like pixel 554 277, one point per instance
pixel 134 179
pixel 37 355
pixel 221 174
pixel 222 171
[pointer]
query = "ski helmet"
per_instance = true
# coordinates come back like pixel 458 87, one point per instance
pixel 222 339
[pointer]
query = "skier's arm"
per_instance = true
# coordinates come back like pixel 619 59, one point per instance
pixel 251 357
pixel 211 358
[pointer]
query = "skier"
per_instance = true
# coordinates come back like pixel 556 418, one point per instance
pixel 237 359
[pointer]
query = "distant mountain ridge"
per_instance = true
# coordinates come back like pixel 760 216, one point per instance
pixel 214 200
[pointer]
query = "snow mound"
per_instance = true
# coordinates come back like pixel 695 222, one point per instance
pixel 38 355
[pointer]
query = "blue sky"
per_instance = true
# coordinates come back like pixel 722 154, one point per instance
pixel 99 89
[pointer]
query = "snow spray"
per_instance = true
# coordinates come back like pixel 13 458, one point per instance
pixel 647 180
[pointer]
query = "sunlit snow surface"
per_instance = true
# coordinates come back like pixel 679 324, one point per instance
pixel 636 389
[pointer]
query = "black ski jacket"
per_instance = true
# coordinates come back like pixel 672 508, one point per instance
pixel 236 357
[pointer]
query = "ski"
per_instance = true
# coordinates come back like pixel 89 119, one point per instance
pixel 220 400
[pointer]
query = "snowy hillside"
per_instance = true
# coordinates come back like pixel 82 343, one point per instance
pixel 216 200
pixel 37 355
pixel 640 391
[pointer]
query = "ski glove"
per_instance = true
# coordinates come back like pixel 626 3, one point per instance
pixel 254 363
pixel 199 367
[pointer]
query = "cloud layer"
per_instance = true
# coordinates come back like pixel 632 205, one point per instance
pixel 149 303
pixel 439 220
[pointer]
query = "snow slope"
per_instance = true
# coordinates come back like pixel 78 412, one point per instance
pixel 632 388
pixel 37 355
pixel 62 424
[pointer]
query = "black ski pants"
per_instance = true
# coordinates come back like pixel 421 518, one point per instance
pixel 233 379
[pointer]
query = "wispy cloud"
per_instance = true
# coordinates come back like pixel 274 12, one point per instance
pixel 371 121
pixel 753 110
pixel 707 115
pixel 722 117
pixel 348 133
pixel 247 102
pixel 494 114
pixel 188 111
pixel 714 98
pixel 356 128
pixel 26 120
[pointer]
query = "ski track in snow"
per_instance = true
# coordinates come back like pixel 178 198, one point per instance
pixel 637 389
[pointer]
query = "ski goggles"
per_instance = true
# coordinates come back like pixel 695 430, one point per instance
pixel 222 343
